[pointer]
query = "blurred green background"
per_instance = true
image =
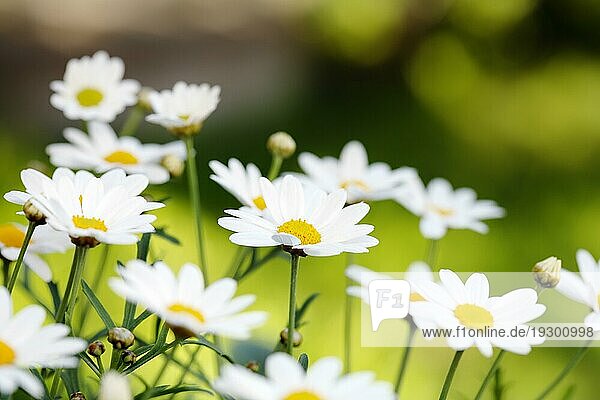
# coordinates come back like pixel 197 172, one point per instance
pixel 501 96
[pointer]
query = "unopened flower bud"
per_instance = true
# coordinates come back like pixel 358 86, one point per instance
pixel 77 396
pixel 144 98
pixel 173 164
pixel 297 338
pixel 253 366
pixel 547 272
pixel 128 357
pixel 281 144
pixel 33 214
pixel 96 349
pixel 120 338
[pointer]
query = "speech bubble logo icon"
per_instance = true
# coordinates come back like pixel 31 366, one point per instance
pixel 389 299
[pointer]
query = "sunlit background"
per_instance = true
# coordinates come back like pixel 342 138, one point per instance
pixel 501 96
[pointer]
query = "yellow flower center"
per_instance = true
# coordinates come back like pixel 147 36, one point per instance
pixel 357 183
pixel 304 395
pixel 473 316
pixel 302 230
pixel 259 202
pixel 89 97
pixel 444 212
pixel 7 355
pixel 11 236
pixel 89 223
pixel 183 309
pixel 414 296
pixel 184 117
pixel 121 157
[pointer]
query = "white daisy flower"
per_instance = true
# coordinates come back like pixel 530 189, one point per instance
pixel 286 380
pixel 441 207
pixel 114 386
pixel 25 344
pixel 184 108
pixel 185 303
pixel 93 89
pixel 108 209
pixel 45 240
pixel 416 271
pixel 242 183
pixel 584 287
pixel 352 172
pixel 102 150
pixel 452 304
pixel 310 222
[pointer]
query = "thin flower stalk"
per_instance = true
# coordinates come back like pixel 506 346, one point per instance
pixel 292 309
pixel 68 302
pixel 450 376
pixel 491 373
pixel 15 273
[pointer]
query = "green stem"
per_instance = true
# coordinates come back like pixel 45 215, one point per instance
pixel 405 357
pixel 17 267
pixel 432 253
pixel 68 300
pixel 100 365
pixel 450 375
pixel 577 357
pixel 186 368
pixel 55 382
pixel 131 124
pixel 192 172
pixel 161 373
pixel 490 374
pixel 292 310
pixel 275 167
pixel 95 284
pixel 6 270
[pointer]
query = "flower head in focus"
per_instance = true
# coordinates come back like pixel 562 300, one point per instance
pixel 91 210
pixel 184 302
pixel 114 386
pixel 286 380
pixel 26 344
pixel 441 207
pixel 584 287
pixel 93 89
pixel 183 109
pixel 353 173
pixel 302 220
pixel 242 183
pixel 452 304
pixel 102 150
pixel 45 240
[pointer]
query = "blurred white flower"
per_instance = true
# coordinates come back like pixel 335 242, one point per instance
pixel 184 108
pixel 584 287
pixel 441 207
pixel 93 89
pixel 102 150
pixel 26 344
pixel 286 380
pixel 352 172
pixel 242 183
pixel 185 303
pixel 308 221
pixel 45 240
pixel 108 209
pixel 114 386
pixel 452 304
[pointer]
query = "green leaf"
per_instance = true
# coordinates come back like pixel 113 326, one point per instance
pixel 256 264
pixel 143 247
pixel 55 295
pixel 97 305
pixel 303 360
pixel 90 363
pixel 570 393
pixel 201 341
pixel 162 233
pixel 141 318
pixel 165 390
pixel 301 311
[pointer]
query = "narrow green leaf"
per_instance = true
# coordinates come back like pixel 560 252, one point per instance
pixel 162 233
pixel 143 247
pixel 570 393
pixel 301 311
pixel 90 363
pixel 165 390
pixel 201 341
pixel 55 295
pixel 141 318
pixel 97 305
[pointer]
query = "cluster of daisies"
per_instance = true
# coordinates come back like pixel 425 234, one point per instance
pixel 97 195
